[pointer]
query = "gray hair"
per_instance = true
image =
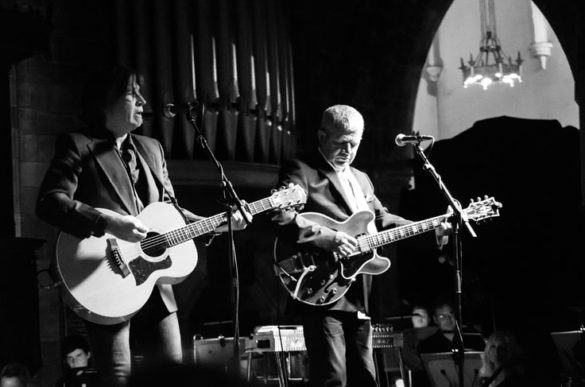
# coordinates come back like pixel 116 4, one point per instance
pixel 341 118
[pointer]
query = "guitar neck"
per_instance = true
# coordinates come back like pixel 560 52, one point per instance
pixel 398 233
pixel 207 225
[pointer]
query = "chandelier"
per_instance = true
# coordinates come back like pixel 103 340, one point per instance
pixel 490 65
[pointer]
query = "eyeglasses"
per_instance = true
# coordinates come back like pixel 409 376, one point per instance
pixel 443 316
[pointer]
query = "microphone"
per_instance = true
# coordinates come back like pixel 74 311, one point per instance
pixel 403 139
pixel 170 110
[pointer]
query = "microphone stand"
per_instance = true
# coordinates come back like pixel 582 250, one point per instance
pixel 230 199
pixel 459 354
pixel 459 217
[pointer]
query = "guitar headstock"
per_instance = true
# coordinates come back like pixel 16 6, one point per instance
pixel 482 209
pixel 288 197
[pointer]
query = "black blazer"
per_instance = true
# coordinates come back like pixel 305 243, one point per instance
pixel 325 195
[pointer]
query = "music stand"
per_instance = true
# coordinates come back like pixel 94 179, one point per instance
pixel 442 370
pixel 565 342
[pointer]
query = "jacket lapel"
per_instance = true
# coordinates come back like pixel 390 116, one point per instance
pixel 148 163
pixel 364 184
pixel 115 171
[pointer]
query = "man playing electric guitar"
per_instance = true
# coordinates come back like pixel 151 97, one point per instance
pixel 107 167
pixel 338 334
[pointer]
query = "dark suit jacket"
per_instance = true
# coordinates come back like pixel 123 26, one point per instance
pixel 87 173
pixel 325 195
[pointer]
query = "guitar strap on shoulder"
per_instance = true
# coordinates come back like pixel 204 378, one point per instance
pixel 171 197
pixel 174 203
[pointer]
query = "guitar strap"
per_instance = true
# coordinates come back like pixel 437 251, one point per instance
pixel 359 203
pixel 171 197
pixel 173 200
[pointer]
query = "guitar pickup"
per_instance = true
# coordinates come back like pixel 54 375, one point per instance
pixel 116 258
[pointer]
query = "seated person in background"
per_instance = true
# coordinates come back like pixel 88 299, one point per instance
pixel 77 355
pixel 420 317
pixel 421 323
pixel 14 375
pixel 503 362
pixel 421 329
pixel 446 338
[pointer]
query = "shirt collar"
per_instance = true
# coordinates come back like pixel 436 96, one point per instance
pixel 128 143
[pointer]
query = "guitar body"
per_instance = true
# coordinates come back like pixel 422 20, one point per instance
pixel 106 280
pixel 317 277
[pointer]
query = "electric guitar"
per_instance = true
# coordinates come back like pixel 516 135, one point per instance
pixel 318 277
pixel 107 280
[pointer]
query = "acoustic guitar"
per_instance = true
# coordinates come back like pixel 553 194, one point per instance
pixel 107 280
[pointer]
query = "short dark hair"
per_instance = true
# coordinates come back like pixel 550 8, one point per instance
pixel 440 301
pixel 73 342
pixel 103 88
pixel 16 370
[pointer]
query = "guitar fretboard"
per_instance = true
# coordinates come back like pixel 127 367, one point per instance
pixel 398 233
pixel 207 225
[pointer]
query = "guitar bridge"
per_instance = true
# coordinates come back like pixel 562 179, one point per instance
pixel 116 258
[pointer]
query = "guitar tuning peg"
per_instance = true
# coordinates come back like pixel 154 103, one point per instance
pixel 479 198
pixel 486 197
pixel 471 200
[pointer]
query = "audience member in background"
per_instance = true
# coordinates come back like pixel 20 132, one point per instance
pixel 422 327
pixel 446 339
pixel 503 362
pixel 420 330
pixel 420 317
pixel 77 356
pixel 15 375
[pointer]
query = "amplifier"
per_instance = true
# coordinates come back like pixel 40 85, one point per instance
pixel 289 338
pixel 383 336
pixel 275 338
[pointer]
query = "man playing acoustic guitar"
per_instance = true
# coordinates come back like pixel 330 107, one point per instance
pixel 107 167
pixel 337 329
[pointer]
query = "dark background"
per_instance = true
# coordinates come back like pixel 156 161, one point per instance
pixel 524 271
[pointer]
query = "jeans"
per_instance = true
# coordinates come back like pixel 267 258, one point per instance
pixel 340 351
pixel 110 344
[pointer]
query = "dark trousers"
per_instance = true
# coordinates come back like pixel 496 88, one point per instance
pixel 110 344
pixel 339 346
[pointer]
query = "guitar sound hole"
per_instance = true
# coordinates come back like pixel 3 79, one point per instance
pixel 152 246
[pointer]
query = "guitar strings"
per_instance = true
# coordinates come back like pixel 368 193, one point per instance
pixel 401 232
pixel 476 210
pixel 206 225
